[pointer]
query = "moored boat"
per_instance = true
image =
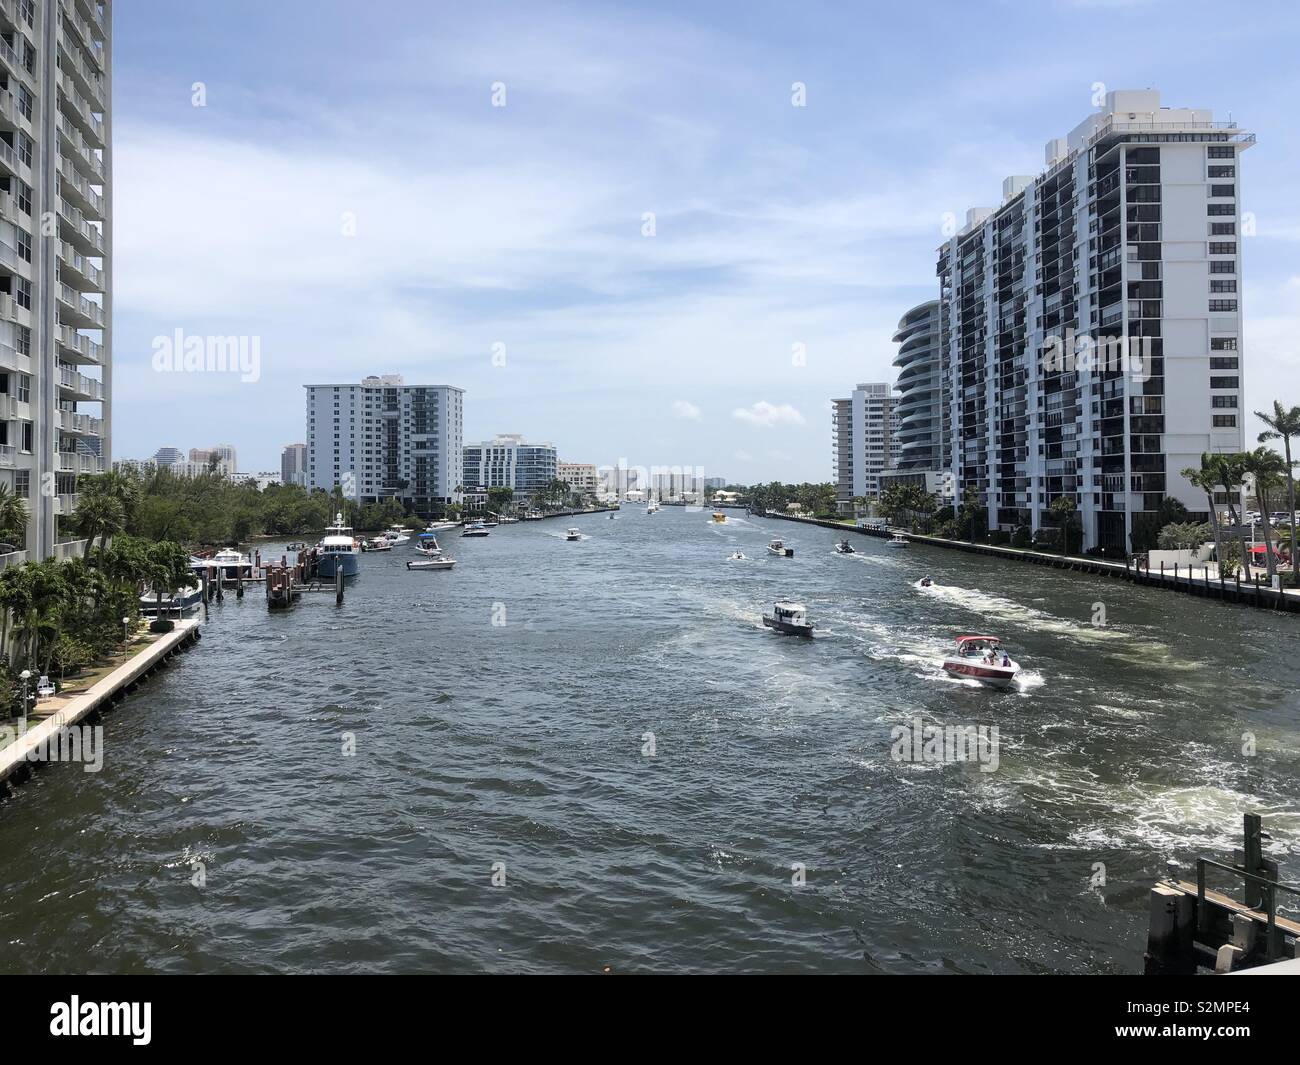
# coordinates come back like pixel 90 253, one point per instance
pixel 338 551
pixel 475 529
pixel 229 564
pixel 430 563
pixel 982 658
pixel 396 535
pixel 790 619
pixel 898 540
pixel 174 602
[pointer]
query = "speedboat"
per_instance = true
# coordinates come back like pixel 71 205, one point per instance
pixel 175 602
pixel 337 551
pixel 475 529
pixel 430 563
pixel 297 545
pixel 396 534
pixel 651 507
pixel 720 517
pixel 229 564
pixel 788 618
pixel 844 548
pixel 777 547
pixel 379 543
pixel 982 658
pixel 737 556
pixel 427 544
pixel 898 540
pixel 925 582
pixel 573 534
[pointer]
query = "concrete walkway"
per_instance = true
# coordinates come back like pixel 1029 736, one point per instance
pixel 58 712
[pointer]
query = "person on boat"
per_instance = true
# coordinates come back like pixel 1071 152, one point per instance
pixel 926 582
pixel 1006 660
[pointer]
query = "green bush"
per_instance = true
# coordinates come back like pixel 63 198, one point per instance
pixel 71 655
pixel 1020 538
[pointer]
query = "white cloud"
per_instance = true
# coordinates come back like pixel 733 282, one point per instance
pixel 766 415
pixel 741 455
pixel 684 409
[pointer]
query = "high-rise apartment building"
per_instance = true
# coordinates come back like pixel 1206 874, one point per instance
pixel 865 433
pixel 921 404
pixel 508 461
pixel 384 439
pixel 55 257
pixel 293 464
pixel 579 476
pixel 1093 324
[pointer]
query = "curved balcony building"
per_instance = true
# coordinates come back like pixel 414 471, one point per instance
pixel 920 410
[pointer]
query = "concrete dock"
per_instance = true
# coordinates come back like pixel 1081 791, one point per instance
pixel 43 724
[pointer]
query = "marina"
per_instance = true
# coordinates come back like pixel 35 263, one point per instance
pixel 1121 744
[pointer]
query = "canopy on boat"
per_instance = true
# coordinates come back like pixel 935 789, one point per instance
pixel 986 639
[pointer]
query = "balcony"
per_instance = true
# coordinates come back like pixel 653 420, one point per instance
pixel 78 191
pixel 85 425
pixel 67 462
pixel 90 464
pixel 76 310
pixel 76 107
pixel 73 62
pixel 79 385
pixel 77 349
pixel 8 455
pixel 76 148
pixel 85 237
pixel 77 271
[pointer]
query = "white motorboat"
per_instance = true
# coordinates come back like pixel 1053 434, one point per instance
pixel 776 546
pixel 982 658
pixel 475 529
pixel 175 602
pixel 228 563
pixel 844 548
pixel 396 535
pixel 898 540
pixel 790 619
pixel 430 563
pixel 379 543
pixel 427 544
pixel 737 556
pixel 573 534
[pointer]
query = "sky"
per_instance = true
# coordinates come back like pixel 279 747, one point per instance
pixel 609 223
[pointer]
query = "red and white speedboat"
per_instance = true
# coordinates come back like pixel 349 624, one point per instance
pixel 982 658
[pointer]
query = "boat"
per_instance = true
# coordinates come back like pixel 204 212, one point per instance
pixel 651 507
pixel 430 563
pixel 982 658
pixel 573 534
pixel 777 546
pixel 297 545
pixel 844 548
pixel 612 517
pixel 174 602
pixel 925 582
pixel 789 618
pixel 737 556
pixel 231 564
pixel 379 543
pixel 427 544
pixel 395 535
pixel 337 551
pixel 475 529
pixel 898 540
pixel 720 517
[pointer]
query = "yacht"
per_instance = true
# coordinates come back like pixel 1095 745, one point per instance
pixel 379 543
pixel 776 546
pixel 337 551
pixel 982 658
pixel 430 563
pixel 396 535
pixel 475 529
pixel 175 602
pixel 573 534
pixel 229 563
pixel 789 618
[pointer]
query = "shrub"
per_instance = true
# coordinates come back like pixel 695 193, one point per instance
pixel 71 655
pixel 1020 538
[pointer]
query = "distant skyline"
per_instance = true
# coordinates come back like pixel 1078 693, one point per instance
pixel 349 196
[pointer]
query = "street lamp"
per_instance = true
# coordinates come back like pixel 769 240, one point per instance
pixel 126 620
pixel 25 676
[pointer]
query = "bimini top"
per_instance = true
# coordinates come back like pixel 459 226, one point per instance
pixel 980 639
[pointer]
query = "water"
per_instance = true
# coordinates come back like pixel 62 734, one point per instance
pixel 522 744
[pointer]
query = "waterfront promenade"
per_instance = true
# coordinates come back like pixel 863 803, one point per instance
pixel 75 703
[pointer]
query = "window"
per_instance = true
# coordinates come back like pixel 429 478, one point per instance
pixel 1223 305
pixel 24 240
pixel 1225 362
pixel 1223 247
pixel 1223 171
pixel 1224 401
pixel 1223 229
pixel 1223 286
pixel 1222 151
pixel 24 197
pixel 24 394
pixel 25 148
pixel 1220 209
pixel 27 436
pixel 22 340
pixel 1223 343
pixel 23 483
pixel 1225 421
pixel 25 102
pixel 1223 266
pixel 1223 382
pixel 23 292
pixel 1222 190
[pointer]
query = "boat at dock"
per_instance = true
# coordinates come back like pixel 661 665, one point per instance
pixel 228 563
pixel 379 543
pixel 338 551
pixel 776 546
pixel 982 658
pixel 175 602
pixel 790 619
pixel 396 535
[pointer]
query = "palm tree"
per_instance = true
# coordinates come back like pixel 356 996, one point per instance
pixel 1230 471
pixel 1207 480
pixel 1282 425
pixel 1063 508
pixel 99 514
pixel 1267 470
pixel 13 516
